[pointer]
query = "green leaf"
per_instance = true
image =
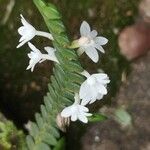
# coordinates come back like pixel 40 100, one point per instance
pixel 49 139
pixel 34 128
pixel 41 146
pixel 60 144
pixel 39 120
pixel 30 142
pixel 43 111
pixel 97 118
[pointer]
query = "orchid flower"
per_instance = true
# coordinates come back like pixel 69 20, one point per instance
pixel 89 42
pixel 93 88
pixel 37 57
pixel 28 32
pixel 76 111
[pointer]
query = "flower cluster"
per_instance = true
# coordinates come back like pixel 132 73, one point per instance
pixel 92 89
pixel 28 32
pixel 95 85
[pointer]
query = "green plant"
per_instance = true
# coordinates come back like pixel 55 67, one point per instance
pixel 10 137
pixel 64 83
pixel 69 92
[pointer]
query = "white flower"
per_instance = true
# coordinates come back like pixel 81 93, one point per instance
pixel 28 32
pixel 93 88
pixel 89 42
pixel 51 54
pixel 76 111
pixel 37 57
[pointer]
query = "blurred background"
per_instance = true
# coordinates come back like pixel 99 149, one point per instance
pixel 126 24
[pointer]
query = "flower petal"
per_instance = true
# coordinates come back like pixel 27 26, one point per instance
pixel 66 112
pixel 92 53
pixel 50 50
pixel 93 34
pixel 74 117
pixel 83 108
pixel 81 50
pixel 83 89
pixel 31 66
pixel 51 54
pixel 21 30
pixel 33 48
pixel 51 57
pixel 85 73
pixel 24 22
pixel 85 101
pixel 92 101
pixel 100 40
pixel 22 39
pixel 22 43
pixel 83 118
pixel 101 89
pixel 88 114
pixel 100 96
pixel 99 47
pixel 85 29
pixel 101 78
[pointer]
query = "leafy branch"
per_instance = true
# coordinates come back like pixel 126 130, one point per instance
pixel 64 83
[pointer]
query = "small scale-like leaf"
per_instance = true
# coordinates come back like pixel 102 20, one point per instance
pixel 41 146
pixel 66 100
pixel 47 103
pixel 74 77
pixel 62 40
pixel 39 120
pixel 57 27
pixel 34 129
pixel 43 111
pixel 54 132
pixel 49 11
pixel 49 139
pixel 52 93
pixel 55 83
pixel 66 53
pixel 30 142
pixel 69 95
pixel 50 99
pixel 72 87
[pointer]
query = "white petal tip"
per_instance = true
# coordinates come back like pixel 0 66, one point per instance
pixel 83 103
pixel 96 61
pixel 106 40
pixel 84 120
pixel 19 45
pixel 29 44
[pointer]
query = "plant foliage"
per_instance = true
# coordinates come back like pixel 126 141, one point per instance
pixel 10 137
pixel 65 81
